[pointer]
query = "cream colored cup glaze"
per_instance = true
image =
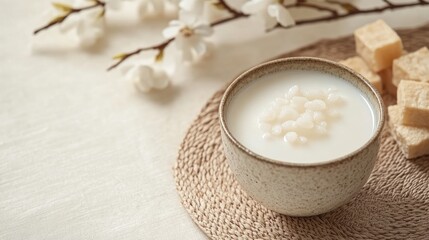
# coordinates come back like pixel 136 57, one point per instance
pixel 301 189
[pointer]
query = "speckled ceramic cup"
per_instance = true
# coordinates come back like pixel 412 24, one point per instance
pixel 301 189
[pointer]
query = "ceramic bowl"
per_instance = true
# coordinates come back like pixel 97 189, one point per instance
pixel 298 189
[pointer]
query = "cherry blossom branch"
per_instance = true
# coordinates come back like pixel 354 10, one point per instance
pixel 124 56
pixel 355 12
pixel 350 9
pixel 160 47
pixel 68 11
pixel 235 14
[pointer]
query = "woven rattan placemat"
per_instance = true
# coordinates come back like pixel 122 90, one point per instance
pixel 394 204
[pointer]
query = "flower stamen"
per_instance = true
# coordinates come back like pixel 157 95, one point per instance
pixel 187 31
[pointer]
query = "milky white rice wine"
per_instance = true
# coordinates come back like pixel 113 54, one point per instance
pixel 301 116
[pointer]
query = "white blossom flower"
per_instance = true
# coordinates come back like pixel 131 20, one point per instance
pixel 189 36
pixel 146 77
pixel 271 11
pixel 88 27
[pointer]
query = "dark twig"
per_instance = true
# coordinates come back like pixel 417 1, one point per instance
pixel 229 8
pixel 388 2
pixel 70 12
pixel 122 57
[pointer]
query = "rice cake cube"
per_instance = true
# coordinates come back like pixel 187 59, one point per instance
pixel 359 65
pixel 414 97
pixel 413 141
pixel 412 66
pixel 378 45
pixel 386 79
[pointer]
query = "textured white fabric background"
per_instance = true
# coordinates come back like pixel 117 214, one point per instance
pixel 82 154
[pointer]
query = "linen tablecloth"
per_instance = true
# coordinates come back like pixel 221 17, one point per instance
pixel 83 155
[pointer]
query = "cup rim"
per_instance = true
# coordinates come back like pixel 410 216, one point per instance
pixel 335 161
